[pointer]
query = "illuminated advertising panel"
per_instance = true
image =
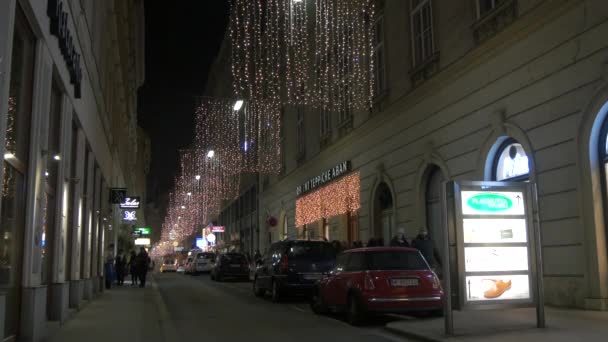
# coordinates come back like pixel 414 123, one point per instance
pixel 494 251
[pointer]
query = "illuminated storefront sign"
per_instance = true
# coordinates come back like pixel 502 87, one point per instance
pixel 59 28
pixel 129 215
pixel 143 231
pixel 325 177
pixel 218 229
pixel 142 242
pixel 131 202
pixel 200 243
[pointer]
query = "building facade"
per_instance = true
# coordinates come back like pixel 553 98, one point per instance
pixel 466 90
pixel 69 74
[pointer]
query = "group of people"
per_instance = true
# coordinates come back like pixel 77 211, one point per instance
pixel 137 265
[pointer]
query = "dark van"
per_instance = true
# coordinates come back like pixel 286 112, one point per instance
pixel 293 267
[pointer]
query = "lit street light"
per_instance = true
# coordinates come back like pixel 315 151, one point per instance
pixel 210 154
pixel 238 105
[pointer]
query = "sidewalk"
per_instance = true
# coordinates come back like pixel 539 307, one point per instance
pixel 121 314
pixel 509 325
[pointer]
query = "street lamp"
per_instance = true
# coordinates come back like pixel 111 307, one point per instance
pixel 238 105
pixel 189 194
pixel 57 157
pixel 210 154
pixel 197 177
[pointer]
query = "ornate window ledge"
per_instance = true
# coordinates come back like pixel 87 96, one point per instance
pixel 495 20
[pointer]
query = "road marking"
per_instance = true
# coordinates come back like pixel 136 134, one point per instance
pixel 299 308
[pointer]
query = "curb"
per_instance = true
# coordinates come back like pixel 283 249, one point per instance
pixel 408 334
pixel 168 329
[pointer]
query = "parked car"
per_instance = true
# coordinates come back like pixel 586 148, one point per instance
pixel 379 280
pixel 293 267
pixel 230 265
pixel 168 265
pixel 181 268
pixel 188 266
pixel 202 262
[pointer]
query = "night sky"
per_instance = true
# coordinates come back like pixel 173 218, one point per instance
pixel 182 40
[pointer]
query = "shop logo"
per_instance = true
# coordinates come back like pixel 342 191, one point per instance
pixel 490 202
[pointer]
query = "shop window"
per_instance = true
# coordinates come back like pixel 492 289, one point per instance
pixel 383 212
pixel 50 176
pixel 511 163
pixel 16 154
pixel 433 207
pixel 285 231
pixel 423 45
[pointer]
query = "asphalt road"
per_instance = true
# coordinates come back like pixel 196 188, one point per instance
pixel 203 310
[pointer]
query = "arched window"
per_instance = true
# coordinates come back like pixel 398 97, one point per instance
pixel 511 162
pixel 383 212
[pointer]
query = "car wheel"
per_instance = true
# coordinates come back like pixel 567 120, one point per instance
pixel 354 313
pixel 276 292
pixel 257 291
pixel 318 304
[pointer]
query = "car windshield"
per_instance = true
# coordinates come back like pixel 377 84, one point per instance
pixel 169 262
pixel 310 248
pixel 396 260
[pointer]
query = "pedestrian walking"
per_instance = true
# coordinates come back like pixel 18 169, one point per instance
pixel 109 271
pixel 143 262
pixel 399 240
pixel 133 268
pixel 120 268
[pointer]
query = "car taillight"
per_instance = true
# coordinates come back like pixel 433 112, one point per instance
pixel 368 282
pixel 284 264
pixel 436 282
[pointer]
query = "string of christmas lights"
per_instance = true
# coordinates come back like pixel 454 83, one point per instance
pixel 273 53
pixel 335 199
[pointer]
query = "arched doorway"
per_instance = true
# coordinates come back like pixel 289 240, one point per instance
pixel 433 208
pixel 511 162
pixel 383 213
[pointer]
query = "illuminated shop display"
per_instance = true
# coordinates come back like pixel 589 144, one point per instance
pixel 494 245
pixel 337 198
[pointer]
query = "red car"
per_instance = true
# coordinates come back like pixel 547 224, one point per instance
pixel 379 280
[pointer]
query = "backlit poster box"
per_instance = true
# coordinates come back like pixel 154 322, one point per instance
pixel 495 254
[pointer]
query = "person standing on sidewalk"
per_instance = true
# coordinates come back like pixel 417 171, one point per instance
pixel 120 268
pixel 133 268
pixel 143 262
pixel 109 271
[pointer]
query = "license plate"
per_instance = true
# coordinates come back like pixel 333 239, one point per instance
pixel 404 282
pixel 235 265
pixel 312 276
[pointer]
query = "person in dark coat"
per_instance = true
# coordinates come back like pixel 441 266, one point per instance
pixel 142 262
pixel 120 268
pixel 133 268
pixel 109 271
pixel 399 240
pixel 425 245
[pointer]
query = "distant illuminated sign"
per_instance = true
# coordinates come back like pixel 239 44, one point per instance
pixel 211 238
pixel 129 215
pixel 143 231
pixel 142 242
pixel 200 243
pixel 130 203
pixel 218 229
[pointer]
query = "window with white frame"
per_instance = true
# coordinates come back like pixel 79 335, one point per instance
pixel 300 134
pixel 485 6
pixel 423 45
pixel 379 55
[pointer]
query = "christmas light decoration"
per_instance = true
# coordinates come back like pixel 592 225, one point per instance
pixel 337 198
pixel 313 52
